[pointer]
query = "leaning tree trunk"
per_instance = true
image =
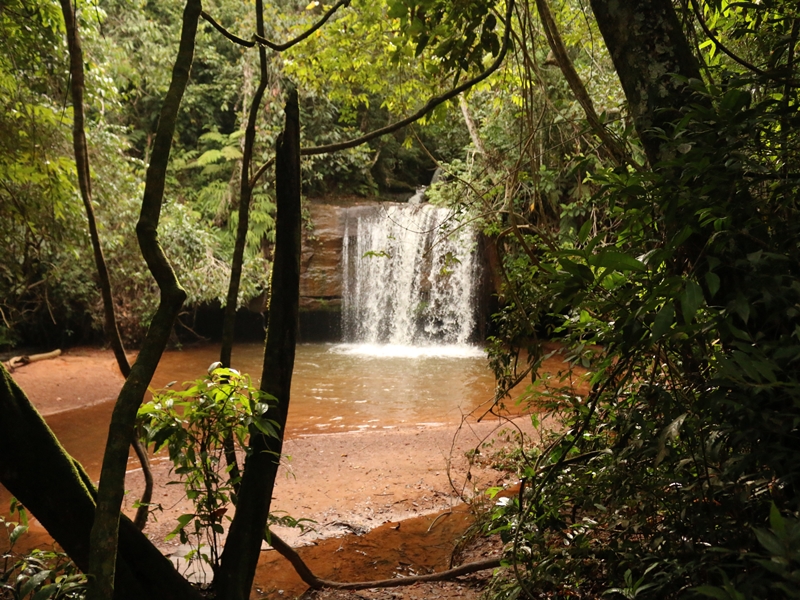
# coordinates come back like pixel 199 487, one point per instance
pixel 37 470
pixel 615 150
pixel 105 530
pixel 649 48
pixel 242 548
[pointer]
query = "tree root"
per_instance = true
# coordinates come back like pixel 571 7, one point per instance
pixel 318 583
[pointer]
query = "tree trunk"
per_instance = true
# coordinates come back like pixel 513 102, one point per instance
pixel 247 530
pixel 37 470
pixel 105 530
pixel 649 48
pixel 245 197
pixel 85 183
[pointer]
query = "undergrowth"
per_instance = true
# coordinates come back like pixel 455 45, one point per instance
pixel 677 475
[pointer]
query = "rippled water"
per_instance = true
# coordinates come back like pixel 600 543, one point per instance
pixel 347 387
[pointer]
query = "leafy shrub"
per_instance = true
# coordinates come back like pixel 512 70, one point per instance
pixel 39 574
pixel 662 480
pixel 202 427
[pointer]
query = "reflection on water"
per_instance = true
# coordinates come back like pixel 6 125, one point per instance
pixel 348 387
pixel 334 388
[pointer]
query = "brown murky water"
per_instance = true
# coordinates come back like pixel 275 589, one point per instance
pixel 335 388
pixel 348 387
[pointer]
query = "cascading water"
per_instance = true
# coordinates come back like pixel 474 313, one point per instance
pixel 410 276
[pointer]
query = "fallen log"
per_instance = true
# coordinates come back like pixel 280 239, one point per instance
pixel 19 361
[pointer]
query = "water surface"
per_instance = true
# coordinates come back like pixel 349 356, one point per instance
pixel 348 387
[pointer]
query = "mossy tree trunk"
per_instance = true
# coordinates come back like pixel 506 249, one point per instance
pixel 648 47
pixel 77 88
pixel 37 470
pixel 105 530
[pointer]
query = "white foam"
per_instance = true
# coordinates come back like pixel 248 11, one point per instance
pixel 413 352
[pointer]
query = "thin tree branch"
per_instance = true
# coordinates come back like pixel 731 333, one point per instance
pixel 286 45
pixel 245 198
pixel 143 511
pixel 471 127
pixel 428 107
pixel 105 530
pixel 615 151
pixel 750 67
pixel 318 583
pixel 261 170
pixel 234 38
pixel 78 86
pixel 259 38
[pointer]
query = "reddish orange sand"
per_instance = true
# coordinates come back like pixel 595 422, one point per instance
pixel 344 482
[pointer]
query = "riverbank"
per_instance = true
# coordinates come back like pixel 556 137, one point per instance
pixel 344 482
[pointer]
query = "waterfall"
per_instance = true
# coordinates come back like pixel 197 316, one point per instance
pixel 410 276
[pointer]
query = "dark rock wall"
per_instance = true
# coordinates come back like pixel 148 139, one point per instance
pixel 321 273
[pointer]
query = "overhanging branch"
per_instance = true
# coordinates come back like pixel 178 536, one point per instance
pixel 304 35
pixel 429 105
pixel 427 108
pixel 317 583
pixel 263 41
pixel 733 56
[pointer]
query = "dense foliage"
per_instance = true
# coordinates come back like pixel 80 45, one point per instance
pixel 678 288
pixel 48 284
pixel 202 427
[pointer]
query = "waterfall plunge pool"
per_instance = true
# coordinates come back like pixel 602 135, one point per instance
pixel 335 388
pixel 351 387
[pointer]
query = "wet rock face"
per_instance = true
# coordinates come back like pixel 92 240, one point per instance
pixel 321 272
pixel 322 282
pixel 320 262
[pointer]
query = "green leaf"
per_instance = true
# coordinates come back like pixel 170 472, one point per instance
pixel 18 531
pixel 586 228
pixel 663 321
pixel 669 433
pixel 231 153
pixel 208 157
pixel 712 281
pixel 183 521
pixel 742 307
pixel 712 592
pixel 34 582
pixel 616 261
pixel 770 542
pixel 48 591
pixel 397 10
pixel 691 299
pixel 776 521
pixel 577 270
